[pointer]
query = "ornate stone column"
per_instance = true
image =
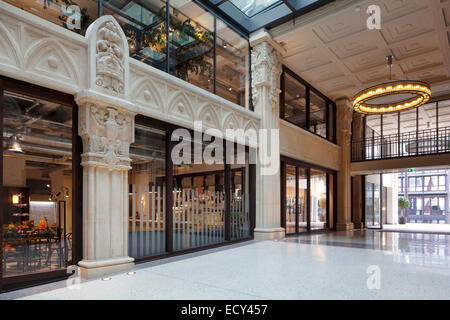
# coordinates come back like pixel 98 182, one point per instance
pixel 106 127
pixel 344 127
pixel 266 71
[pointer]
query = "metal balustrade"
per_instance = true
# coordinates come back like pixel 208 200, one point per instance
pixel 423 142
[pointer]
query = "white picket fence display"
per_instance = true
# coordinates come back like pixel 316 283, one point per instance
pixel 198 218
pixel 148 226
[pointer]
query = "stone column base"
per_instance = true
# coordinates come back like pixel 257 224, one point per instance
pixel 268 233
pixel 358 225
pixel 344 226
pixel 95 269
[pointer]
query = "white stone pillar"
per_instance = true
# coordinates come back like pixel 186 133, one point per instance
pixel 107 129
pixel 107 133
pixel 266 71
pixel 343 126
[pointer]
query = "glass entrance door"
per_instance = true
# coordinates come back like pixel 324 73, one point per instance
pixel 373 201
pixel 306 196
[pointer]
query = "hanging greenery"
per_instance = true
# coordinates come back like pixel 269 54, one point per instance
pixel 189 59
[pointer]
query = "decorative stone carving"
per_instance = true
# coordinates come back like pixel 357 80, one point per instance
pixel 107 133
pixel 110 58
pixel 266 69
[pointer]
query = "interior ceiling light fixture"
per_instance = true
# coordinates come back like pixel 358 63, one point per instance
pixel 392 96
pixel 14 144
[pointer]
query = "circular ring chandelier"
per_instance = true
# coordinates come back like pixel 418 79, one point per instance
pixel 393 96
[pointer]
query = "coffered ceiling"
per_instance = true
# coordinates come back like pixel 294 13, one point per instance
pixel 333 49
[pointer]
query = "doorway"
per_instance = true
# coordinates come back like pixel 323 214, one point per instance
pixel 307 194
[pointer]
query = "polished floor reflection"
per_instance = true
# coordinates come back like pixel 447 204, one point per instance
pixel 334 265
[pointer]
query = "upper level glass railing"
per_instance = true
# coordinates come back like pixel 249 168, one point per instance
pixel 186 41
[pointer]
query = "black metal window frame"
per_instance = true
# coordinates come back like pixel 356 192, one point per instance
pixel 330 117
pixel 17 86
pixel 331 193
pixel 169 128
pixel 390 146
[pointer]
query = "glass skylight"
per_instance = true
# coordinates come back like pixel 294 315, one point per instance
pixel 253 7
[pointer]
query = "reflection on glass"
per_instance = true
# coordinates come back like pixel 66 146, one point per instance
pixel 232 79
pixel 37 213
pixel 295 101
pixel 198 204
pixel 144 26
pixel 302 194
pixel 373 201
pixel 318 115
pixel 147 223
pixel 318 199
pixel 60 12
pixel 240 200
pixel 290 199
pixel 192 46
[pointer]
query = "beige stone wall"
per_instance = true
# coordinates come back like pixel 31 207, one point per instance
pixel 305 146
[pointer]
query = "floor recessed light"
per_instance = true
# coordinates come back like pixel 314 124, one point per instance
pixel 131 273
pixel 106 279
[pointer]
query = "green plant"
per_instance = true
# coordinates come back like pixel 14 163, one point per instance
pixel 403 203
pixel 189 58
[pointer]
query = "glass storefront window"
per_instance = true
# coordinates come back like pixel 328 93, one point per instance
pixel 240 200
pixel 290 199
pixel 318 199
pixel 37 185
pixel 199 206
pixel 147 180
pixel 306 196
pixel 302 200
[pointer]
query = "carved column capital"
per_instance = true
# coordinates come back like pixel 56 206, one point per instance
pixel 107 133
pixel 344 113
pixel 266 71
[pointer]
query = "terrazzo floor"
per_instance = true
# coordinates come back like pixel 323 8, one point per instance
pixel 324 266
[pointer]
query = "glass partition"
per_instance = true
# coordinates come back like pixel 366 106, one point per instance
pixel 304 106
pixel 318 115
pixel 307 197
pixel 290 199
pixel 318 200
pixel 147 180
pixel 294 101
pixel 37 185
pixel 198 202
pixel 232 69
pixel 302 200
pixel 144 25
pixel 72 15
